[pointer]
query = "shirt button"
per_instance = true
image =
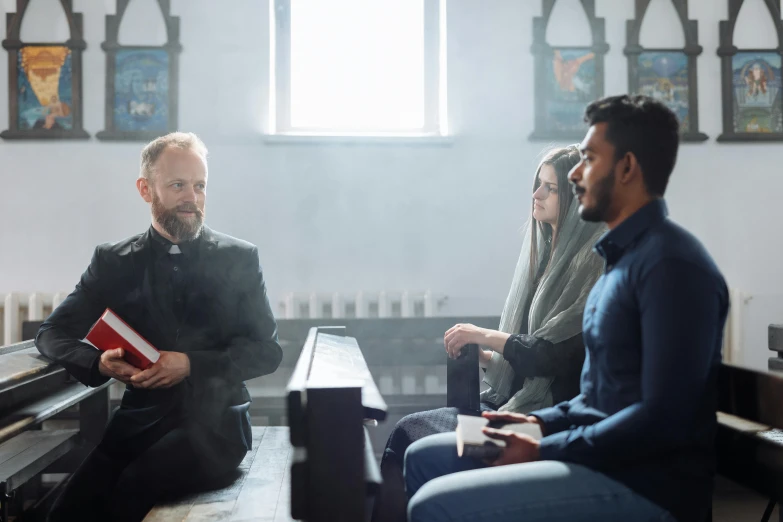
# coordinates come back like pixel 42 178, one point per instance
pixel 176 268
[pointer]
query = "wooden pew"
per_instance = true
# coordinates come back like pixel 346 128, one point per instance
pixel 405 356
pixel 33 390
pixel 319 468
pixel 384 341
pixel 749 441
pixel 330 395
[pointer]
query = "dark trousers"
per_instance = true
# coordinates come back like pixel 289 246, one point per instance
pixel 391 504
pixel 122 480
pixel 392 501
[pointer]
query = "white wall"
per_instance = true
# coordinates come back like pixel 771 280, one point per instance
pixel 330 217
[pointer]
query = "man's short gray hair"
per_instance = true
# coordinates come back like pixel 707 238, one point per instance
pixel 153 150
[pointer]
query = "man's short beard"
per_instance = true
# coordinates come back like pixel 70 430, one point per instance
pixel 173 224
pixel 602 194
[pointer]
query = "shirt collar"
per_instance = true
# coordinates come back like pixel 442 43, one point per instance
pixel 164 246
pixel 616 242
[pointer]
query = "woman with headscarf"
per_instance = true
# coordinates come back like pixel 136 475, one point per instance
pixel 535 357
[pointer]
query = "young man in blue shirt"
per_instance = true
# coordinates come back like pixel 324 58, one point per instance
pixel 637 442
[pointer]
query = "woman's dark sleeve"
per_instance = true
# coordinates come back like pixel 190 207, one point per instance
pixel 532 356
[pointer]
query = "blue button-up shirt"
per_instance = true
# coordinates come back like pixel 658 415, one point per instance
pixel 653 328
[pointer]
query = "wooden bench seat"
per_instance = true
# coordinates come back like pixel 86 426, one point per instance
pixel 260 492
pixel 27 455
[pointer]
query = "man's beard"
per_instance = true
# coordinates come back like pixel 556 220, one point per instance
pixel 175 226
pixel 602 194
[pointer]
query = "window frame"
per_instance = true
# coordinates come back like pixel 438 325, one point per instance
pixel 435 100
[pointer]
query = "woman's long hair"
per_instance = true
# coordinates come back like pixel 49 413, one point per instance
pixel 562 160
pixel 551 307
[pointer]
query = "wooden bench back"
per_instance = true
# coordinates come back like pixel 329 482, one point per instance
pixel 34 389
pixel 752 395
pixel 748 443
pixel 329 395
pixel 385 342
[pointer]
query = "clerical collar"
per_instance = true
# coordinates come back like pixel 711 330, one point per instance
pixel 163 245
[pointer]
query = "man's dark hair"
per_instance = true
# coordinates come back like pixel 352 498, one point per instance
pixel 645 127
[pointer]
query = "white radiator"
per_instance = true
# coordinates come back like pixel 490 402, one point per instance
pixel 19 307
pixel 360 305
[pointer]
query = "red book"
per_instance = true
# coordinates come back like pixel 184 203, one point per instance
pixel 110 332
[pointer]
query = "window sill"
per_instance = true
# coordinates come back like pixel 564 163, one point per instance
pixel 358 139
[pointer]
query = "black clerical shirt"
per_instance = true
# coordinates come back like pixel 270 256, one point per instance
pixel 172 271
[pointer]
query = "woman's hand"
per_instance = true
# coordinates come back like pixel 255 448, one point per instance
pixel 461 334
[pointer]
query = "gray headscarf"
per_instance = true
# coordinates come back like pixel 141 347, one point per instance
pixel 556 305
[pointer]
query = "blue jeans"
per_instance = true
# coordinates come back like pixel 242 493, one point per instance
pixel 441 486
